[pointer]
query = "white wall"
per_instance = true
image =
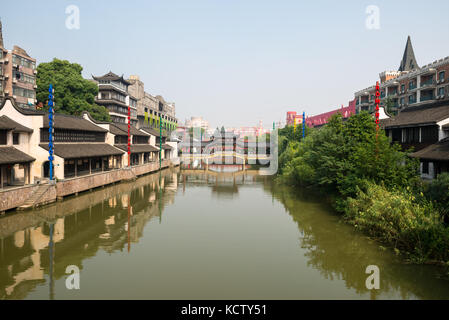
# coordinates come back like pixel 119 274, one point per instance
pixel 442 133
pixel 31 145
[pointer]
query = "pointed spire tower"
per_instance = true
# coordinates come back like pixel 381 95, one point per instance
pixel 408 62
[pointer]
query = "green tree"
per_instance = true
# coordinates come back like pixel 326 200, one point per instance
pixel 73 94
pixel 343 156
pixel 390 106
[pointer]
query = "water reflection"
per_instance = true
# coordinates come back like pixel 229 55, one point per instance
pixel 265 240
pixel 109 219
pixel 338 252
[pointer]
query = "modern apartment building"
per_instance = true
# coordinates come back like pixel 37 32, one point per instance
pixel 113 95
pixel 150 107
pixel 410 86
pixel 17 75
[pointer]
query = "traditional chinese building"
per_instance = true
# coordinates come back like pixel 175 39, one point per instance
pixel 113 95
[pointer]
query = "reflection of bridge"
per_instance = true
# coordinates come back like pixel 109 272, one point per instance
pixel 212 158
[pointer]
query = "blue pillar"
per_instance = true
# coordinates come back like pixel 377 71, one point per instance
pixel 50 131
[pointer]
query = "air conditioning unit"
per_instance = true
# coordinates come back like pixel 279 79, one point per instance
pixel 15 97
pixel 15 65
pixel 437 97
pixel 14 80
pixel 35 71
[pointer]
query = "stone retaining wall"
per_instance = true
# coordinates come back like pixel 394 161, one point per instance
pixel 13 198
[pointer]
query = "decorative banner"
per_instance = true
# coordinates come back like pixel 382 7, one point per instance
pixel 160 141
pixel 294 125
pixel 146 117
pixel 51 131
pixel 129 136
pixel 377 105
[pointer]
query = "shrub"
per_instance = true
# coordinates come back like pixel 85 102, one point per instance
pixel 438 192
pixel 395 218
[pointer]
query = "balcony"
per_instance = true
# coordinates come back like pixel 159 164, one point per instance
pixel 428 83
pixel 427 98
pixel 393 93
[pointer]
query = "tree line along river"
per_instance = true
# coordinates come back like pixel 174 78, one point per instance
pixel 191 234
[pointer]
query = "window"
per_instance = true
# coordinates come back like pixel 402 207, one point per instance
pixel 2 137
pixel 425 167
pixel 120 140
pixel 441 76
pixel 402 101
pixel 23 62
pixel 411 85
pixel 403 88
pixel 23 77
pixel 412 135
pixel 65 135
pixel 21 92
pixel 15 138
pixel 429 134
pixel 441 91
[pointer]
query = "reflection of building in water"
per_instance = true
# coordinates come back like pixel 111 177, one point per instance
pixel 81 226
pixel 30 266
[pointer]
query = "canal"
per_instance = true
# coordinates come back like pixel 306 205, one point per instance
pixel 187 234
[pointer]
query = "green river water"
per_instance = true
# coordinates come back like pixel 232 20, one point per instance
pixel 186 234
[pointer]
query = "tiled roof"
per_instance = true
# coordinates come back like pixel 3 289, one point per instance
pixel 10 155
pixel 419 116
pixel 113 77
pixel 9 124
pixel 446 127
pixel 83 150
pixel 137 148
pixel 154 132
pixel 62 121
pixel 437 151
pixel 122 129
pixel 167 147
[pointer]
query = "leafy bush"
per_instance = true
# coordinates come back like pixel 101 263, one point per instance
pixel 395 218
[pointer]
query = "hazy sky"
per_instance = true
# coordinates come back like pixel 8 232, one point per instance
pixel 234 62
